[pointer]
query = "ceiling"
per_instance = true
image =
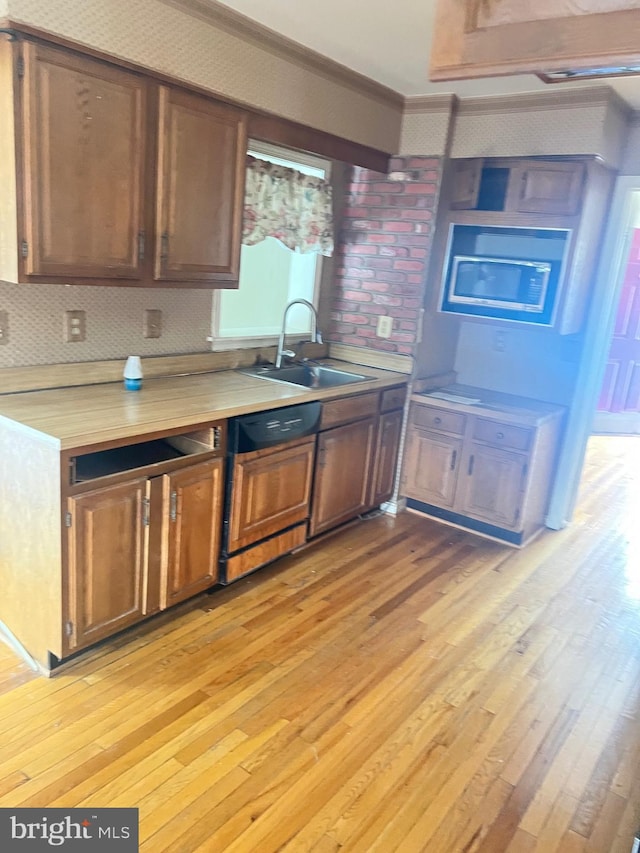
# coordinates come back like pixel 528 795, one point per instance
pixel 388 41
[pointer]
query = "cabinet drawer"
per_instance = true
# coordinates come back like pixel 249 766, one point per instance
pixel 502 435
pixel 348 409
pixel 393 398
pixel 440 419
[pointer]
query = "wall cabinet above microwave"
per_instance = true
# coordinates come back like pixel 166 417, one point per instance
pixel 520 186
pixel 111 178
pixel 561 195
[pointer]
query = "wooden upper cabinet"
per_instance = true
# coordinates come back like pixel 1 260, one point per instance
pixel 110 178
pixel 465 183
pixel 201 166
pixel 83 167
pixel 473 39
pixel 547 188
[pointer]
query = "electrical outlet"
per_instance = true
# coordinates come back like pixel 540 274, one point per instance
pixel 4 327
pixel 75 326
pixel 152 327
pixel 385 326
pixel 500 341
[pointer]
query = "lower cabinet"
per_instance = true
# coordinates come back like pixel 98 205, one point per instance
pixel 469 467
pixel 343 463
pixel 107 563
pixel 386 456
pixel 192 521
pixel 356 456
pixel 140 545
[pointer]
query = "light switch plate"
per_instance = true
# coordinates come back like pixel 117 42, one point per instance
pixel 152 327
pixel 385 326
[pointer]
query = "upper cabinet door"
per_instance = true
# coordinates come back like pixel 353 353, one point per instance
pixel 83 167
pixel 201 175
pixel 481 39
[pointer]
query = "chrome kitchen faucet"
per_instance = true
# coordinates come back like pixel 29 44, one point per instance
pixel 316 335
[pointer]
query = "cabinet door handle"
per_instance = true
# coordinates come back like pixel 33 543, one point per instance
pixel 454 457
pixel 145 512
pixel 173 506
pixel 141 246
pixel 164 247
pixel 470 470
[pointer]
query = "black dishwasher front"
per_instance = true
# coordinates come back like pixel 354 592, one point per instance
pixel 271 457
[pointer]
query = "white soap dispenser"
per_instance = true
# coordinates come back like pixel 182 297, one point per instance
pixel 133 373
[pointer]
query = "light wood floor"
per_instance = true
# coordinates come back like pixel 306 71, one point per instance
pixel 407 687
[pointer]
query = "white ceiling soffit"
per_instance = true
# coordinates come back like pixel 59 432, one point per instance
pixel 389 42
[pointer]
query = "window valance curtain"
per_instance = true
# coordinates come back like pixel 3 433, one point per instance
pixel 289 205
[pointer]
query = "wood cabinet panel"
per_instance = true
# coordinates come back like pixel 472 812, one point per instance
pixel 465 184
pixel 554 188
pixel 386 456
pixel 83 167
pixel 271 490
pixel 493 485
pixel 201 156
pixel 432 463
pixel 107 545
pixel 343 468
pixel 502 435
pixel 472 39
pixel 192 516
pixel 494 477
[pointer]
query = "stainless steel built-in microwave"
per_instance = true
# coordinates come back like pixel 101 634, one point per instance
pixel 504 287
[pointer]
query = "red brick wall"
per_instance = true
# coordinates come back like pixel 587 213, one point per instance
pixel 383 251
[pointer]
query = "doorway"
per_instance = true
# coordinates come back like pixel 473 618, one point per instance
pixel 600 324
pixel 618 409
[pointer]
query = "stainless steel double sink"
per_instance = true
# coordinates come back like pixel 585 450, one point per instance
pixel 306 375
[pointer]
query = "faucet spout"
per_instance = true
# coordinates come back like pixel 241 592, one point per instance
pixel 316 337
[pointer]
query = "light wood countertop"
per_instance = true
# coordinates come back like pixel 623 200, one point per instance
pixel 507 408
pixel 83 416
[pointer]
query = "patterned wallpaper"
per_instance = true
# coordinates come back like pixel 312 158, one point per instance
pixel 591 121
pixel 426 124
pixel 114 321
pixel 162 37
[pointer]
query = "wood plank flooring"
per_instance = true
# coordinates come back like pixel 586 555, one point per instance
pixel 404 687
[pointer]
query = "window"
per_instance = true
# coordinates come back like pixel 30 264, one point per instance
pixel 271 275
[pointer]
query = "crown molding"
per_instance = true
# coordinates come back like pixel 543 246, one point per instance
pixel 423 104
pixel 554 100
pixel 232 22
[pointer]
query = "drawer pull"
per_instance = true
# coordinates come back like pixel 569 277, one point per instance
pixel 500 435
pixel 437 420
pixel 454 457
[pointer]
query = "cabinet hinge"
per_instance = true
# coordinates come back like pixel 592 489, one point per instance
pixel 24 248
pixel 173 506
pixel 68 628
pixel 67 519
pixel 20 66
